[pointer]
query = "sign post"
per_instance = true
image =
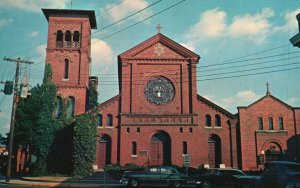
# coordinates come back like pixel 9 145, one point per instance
pixel 186 161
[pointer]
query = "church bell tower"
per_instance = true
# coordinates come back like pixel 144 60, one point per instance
pixel 69 54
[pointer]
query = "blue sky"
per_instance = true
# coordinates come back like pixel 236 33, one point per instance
pixel 243 44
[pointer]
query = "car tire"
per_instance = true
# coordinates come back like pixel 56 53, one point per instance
pixel 176 184
pixel 133 183
pixel 206 184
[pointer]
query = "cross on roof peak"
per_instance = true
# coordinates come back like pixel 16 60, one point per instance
pixel 268 88
pixel 158 27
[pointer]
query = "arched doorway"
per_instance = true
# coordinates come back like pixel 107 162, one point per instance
pixel 273 151
pixel 104 151
pixel 160 151
pixel 214 151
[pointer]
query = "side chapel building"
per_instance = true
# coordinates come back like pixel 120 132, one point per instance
pixel 158 117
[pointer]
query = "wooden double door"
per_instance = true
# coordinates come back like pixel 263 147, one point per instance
pixel 160 151
pixel 214 151
pixel 104 151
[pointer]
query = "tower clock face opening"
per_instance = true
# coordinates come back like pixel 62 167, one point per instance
pixel 159 91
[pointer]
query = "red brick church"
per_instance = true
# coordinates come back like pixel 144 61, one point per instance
pixel 158 117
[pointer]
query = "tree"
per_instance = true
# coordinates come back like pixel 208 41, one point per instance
pixel 35 124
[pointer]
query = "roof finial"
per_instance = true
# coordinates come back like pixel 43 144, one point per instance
pixel 158 27
pixel 268 88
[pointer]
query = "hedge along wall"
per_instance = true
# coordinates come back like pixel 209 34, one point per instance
pixel 85 132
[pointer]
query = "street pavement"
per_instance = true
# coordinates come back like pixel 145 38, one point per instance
pixel 97 180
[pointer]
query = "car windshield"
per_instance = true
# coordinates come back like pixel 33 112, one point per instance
pixel 225 172
pixel 232 172
pixel 168 171
pixel 282 167
pixel 292 168
pixel 152 170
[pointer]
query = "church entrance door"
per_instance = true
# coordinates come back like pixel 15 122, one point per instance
pixel 273 152
pixel 160 149
pixel 214 151
pixel 104 151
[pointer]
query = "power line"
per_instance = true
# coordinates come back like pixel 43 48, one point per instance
pixel 236 66
pixel 230 72
pixel 252 74
pixel 103 28
pixel 112 7
pixel 248 69
pixel 275 48
pixel 108 82
pixel 238 61
pixel 233 62
pixel 144 19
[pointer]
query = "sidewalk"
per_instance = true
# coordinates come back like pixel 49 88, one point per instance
pixel 51 181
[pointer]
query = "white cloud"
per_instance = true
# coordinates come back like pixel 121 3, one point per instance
pixel 292 101
pixel 4 22
pixel 213 24
pixel 34 34
pixel 32 6
pixel 126 8
pixel 256 27
pixel 291 23
pixel 242 98
pixel 247 95
pixel 102 56
pixel 41 50
pixel 209 97
pixel 188 46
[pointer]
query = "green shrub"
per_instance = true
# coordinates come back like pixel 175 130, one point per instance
pixel 115 170
pixel 133 167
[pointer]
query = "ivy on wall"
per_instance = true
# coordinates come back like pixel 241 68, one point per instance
pixel 85 132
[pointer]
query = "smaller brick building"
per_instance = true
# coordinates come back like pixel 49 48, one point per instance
pixel 268 130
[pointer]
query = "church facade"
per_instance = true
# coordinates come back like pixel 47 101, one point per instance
pixel 158 117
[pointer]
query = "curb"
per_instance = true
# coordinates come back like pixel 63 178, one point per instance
pixel 50 184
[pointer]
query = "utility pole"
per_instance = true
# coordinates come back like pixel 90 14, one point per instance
pixel 13 113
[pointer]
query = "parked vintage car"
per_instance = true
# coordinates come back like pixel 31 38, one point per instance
pixel 156 175
pixel 280 174
pixel 225 177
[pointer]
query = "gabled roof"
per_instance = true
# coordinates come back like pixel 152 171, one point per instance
pixel 213 105
pixel 54 12
pixel 266 96
pixel 160 38
pixel 110 100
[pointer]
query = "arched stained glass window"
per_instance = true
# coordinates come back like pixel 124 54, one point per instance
pixel 207 120
pixel 59 39
pixel 217 120
pixel 100 120
pixel 281 127
pixel 76 39
pixel 66 73
pixel 109 120
pixel 134 148
pixel 71 107
pixel 184 147
pixel 68 39
pixel 59 106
